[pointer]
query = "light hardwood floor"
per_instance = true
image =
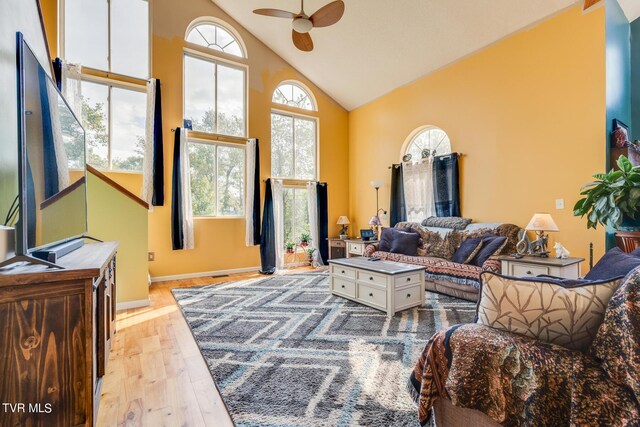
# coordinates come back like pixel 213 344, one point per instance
pixel 156 375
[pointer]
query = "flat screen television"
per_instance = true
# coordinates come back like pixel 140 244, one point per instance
pixel 51 162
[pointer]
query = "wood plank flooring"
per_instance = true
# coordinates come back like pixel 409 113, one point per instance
pixel 156 375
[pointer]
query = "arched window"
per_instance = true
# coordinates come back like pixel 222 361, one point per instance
pixel 427 142
pixel 294 95
pixel 216 37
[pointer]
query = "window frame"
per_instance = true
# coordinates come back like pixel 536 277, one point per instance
pixel 294 186
pixel 216 143
pixel 294 113
pixel 215 59
pixel 220 23
pixel 109 73
pixel 304 88
pixel 414 134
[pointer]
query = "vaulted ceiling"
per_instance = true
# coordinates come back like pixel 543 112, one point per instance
pixel 380 45
pixel 631 9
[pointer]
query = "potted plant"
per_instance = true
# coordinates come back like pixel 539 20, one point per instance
pixel 613 199
pixel 305 239
pixel 290 247
pixel 310 253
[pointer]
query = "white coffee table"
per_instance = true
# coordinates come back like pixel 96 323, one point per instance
pixel 383 285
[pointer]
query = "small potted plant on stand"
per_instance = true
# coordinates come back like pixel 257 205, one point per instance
pixel 290 246
pixel 613 199
pixel 310 253
pixel 305 239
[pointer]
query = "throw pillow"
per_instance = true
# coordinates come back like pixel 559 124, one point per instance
pixel 615 263
pixel 386 238
pixel 543 309
pixel 491 245
pixel 467 251
pixel 405 243
pixel 431 243
pixel 453 222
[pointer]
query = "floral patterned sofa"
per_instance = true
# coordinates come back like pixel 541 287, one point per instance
pixel 436 249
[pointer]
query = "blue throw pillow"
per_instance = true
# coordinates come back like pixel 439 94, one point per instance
pixel 636 252
pixel 467 250
pixel 386 239
pixel 405 243
pixel 490 245
pixel 614 263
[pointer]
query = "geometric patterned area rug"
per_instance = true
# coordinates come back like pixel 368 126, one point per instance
pixel 284 352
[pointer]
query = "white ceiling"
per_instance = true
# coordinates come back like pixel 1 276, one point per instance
pixel 631 9
pixel 380 45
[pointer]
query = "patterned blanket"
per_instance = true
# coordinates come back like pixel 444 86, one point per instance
pixel 518 381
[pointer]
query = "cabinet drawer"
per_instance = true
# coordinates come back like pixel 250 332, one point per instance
pixel 367 277
pixel 339 271
pixel 339 244
pixel 356 248
pixel 411 279
pixel 372 295
pixel 344 287
pixel 408 297
pixel 528 270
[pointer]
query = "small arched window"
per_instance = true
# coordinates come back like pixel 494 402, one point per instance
pixel 294 95
pixel 216 37
pixel 427 142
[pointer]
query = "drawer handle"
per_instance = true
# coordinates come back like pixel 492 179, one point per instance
pixel 529 273
pixel 370 277
pixel 408 279
pixel 408 295
pixel 342 286
pixel 342 272
pixel 371 294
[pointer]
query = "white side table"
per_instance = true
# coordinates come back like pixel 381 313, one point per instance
pixel 530 266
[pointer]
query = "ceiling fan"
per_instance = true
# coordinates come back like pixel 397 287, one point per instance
pixel 303 24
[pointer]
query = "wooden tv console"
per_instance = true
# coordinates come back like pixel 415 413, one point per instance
pixel 55 334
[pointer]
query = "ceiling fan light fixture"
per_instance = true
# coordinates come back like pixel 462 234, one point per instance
pixel 302 25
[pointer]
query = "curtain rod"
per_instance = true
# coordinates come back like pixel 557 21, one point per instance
pixel 290 181
pixel 397 164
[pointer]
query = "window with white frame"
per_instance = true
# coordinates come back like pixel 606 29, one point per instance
pixel 215 94
pixel 293 146
pixel 217 173
pixel 296 214
pixel 294 95
pixel 110 40
pixel 428 142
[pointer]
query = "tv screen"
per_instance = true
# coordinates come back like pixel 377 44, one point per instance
pixel 53 204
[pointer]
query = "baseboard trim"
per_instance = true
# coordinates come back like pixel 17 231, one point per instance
pixel 132 304
pixel 204 274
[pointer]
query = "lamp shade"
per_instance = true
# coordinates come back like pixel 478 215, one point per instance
pixel 343 220
pixel 542 222
pixel 377 184
pixel 375 220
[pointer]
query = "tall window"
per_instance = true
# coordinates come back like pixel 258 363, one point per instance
pixel 431 141
pixel 214 88
pixel 217 179
pixel 296 214
pixel 110 39
pixel 293 146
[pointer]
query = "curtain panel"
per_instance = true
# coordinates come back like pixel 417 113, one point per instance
pixel 323 222
pixel 397 207
pixel 314 222
pixel 153 162
pixel 418 190
pixel 268 234
pixel 252 198
pixel 447 185
pixel 181 209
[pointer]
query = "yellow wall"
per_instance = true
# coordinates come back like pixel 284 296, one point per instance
pixel 527 112
pixel 220 242
pixel 114 216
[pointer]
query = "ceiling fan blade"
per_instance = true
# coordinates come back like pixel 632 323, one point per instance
pixel 328 15
pixel 277 13
pixel 589 4
pixel 302 41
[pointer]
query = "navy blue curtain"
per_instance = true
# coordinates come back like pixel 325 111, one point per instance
pixel 177 232
pixel 446 185
pixel 57 72
pixel 158 153
pixel 268 237
pixel 50 164
pixel 323 222
pixel 397 206
pixel 256 197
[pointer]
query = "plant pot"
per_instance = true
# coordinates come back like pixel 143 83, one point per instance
pixel 304 244
pixel 290 251
pixel 630 224
pixel 7 242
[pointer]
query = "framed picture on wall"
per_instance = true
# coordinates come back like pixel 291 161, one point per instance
pixel 619 134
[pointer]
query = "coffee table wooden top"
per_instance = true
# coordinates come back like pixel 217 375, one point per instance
pixel 384 267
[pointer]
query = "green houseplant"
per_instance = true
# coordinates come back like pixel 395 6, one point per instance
pixel 613 199
pixel 305 239
pixel 290 246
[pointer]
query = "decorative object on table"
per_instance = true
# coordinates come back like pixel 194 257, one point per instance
pixel 622 187
pixel 619 134
pixel 305 239
pixel 426 153
pixel 344 222
pixel 367 234
pixel 310 253
pixel 561 251
pixel 524 245
pixel 290 246
pixel 541 222
pixel 375 223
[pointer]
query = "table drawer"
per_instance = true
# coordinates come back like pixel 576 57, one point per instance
pixel 339 244
pixel 372 295
pixel 356 248
pixel 408 297
pixel 339 271
pixel 344 287
pixel 528 270
pixel 411 279
pixel 368 277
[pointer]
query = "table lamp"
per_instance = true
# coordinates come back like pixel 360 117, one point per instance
pixel 541 222
pixel 375 222
pixel 344 222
